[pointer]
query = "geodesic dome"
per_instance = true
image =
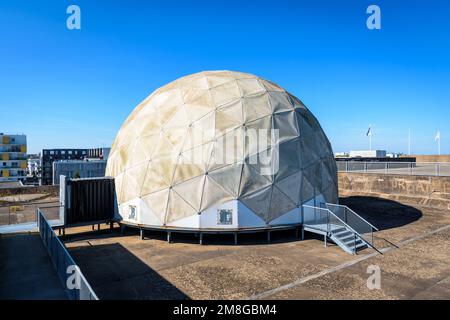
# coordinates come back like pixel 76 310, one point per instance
pixel 187 157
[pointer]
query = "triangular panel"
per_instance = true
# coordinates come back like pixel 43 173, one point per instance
pixel 228 178
pixel 213 194
pixel 178 208
pixel 259 202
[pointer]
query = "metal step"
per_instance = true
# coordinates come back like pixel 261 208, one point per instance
pixel 344 234
pixel 340 230
pixel 361 245
pixel 352 242
pixel 346 240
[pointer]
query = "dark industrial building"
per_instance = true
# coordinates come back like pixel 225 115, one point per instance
pixel 48 156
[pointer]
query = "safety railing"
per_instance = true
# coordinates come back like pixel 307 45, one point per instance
pixel 68 272
pixel 350 217
pixel 403 168
pixel 315 217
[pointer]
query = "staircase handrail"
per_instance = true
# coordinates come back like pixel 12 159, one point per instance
pixel 346 225
pixel 354 213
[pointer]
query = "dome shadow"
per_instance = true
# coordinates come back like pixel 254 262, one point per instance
pixel 382 213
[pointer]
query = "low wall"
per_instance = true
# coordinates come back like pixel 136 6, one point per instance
pixel 431 157
pixel 424 190
pixel 50 190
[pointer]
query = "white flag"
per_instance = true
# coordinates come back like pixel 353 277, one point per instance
pixel 369 131
pixel 438 136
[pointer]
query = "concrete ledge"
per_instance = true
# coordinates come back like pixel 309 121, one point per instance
pixel 49 190
pixel 429 191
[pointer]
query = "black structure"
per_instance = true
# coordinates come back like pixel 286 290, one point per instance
pixel 48 156
pixel 373 159
pixel 89 201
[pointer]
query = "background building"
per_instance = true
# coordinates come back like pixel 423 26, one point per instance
pixel 368 154
pixel 98 153
pixel 48 156
pixel 340 154
pixel 33 165
pixel 78 169
pixel 13 161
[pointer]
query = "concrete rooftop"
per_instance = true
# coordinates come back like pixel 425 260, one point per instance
pixel 125 267
pixel 26 271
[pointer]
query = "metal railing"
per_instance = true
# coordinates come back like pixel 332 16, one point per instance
pixel 67 270
pixel 350 217
pixel 325 220
pixel 404 168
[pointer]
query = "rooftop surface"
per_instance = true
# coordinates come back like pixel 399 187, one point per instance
pixel 125 267
pixel 26 271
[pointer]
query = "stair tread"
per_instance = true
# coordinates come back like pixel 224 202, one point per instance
pixel 344 235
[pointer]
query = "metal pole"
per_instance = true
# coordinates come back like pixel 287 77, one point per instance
pixel 409 141
pixel 345 214
pixel 303 215
pixel 328 222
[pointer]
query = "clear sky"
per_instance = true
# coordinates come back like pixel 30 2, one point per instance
pixel 74 88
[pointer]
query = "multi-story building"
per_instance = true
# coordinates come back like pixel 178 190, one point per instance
pixel 13 160
pixel 34 164
pixel 99 153
pixel 78 169
pixel 48 156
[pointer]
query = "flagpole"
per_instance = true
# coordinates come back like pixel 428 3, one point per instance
pixel 409 141
pixel 438 139
pixel 439 145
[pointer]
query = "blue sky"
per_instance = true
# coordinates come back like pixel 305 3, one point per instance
pixel 74 88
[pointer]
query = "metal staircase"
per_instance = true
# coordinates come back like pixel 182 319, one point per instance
pixel 341 225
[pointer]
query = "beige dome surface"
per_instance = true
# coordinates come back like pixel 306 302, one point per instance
pixel 152 157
